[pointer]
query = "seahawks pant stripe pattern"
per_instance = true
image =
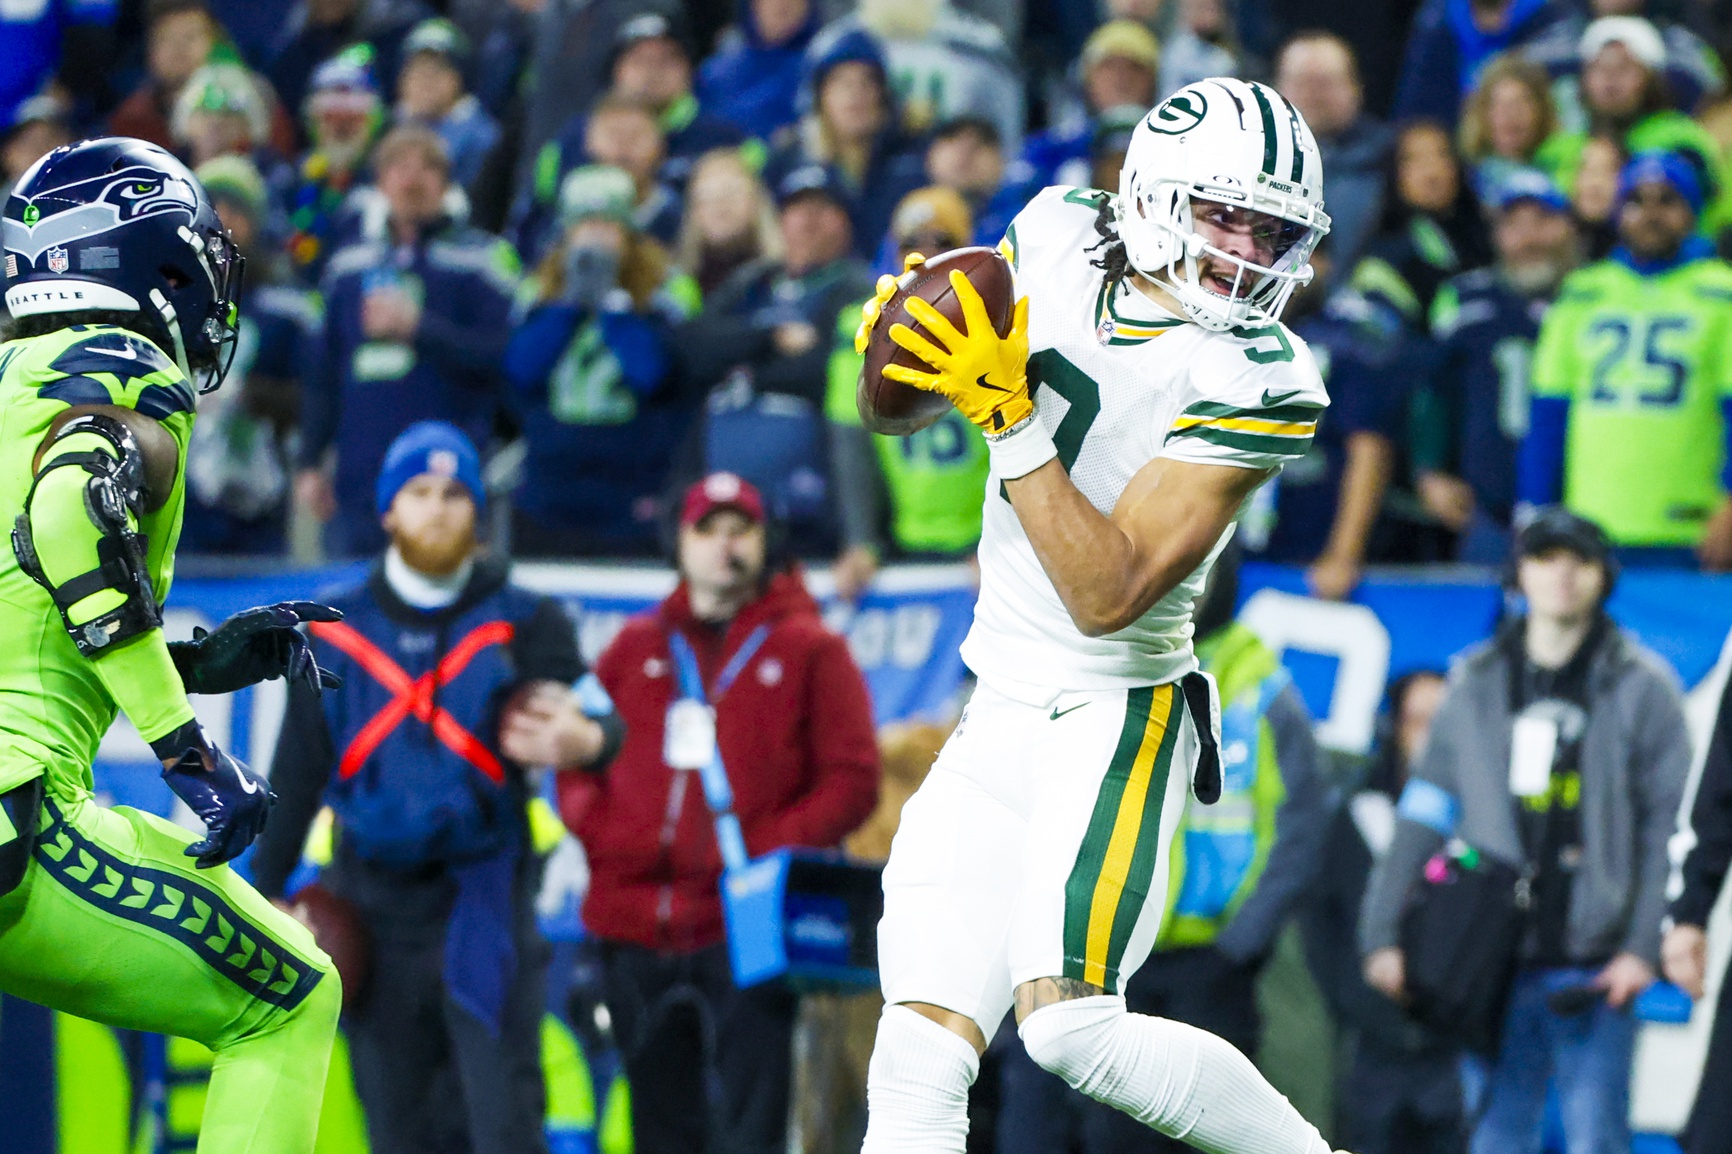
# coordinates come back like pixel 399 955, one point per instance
pixel 1109 883
pixel 177 906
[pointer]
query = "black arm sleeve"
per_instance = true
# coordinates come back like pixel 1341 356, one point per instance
pixel 1711 818
pixel 302 765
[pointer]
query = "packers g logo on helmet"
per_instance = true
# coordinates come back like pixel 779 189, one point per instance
pixel 1179 113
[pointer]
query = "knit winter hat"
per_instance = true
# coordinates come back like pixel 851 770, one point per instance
pixel 436 447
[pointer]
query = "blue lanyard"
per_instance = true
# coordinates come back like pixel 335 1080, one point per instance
pixel 718 793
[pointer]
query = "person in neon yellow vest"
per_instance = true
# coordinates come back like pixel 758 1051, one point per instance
pixel 1239 869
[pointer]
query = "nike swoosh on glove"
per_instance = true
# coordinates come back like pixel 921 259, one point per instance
pixel 231 800
pixel 984 375
pixel 255 645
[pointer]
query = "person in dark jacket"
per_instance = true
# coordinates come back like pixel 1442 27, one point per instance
pixel 753 76
pixel 592 373
pixel 415 329
pixel 317 30
pixel 1400 1092
pixel 1451 40
pixel 1684 949
pixel 791 720
pixel 454 682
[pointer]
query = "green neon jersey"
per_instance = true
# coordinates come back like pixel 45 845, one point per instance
pixel 936 478
pixel 1644 362
pixel 54 704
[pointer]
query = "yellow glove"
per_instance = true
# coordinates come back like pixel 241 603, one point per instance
pixel 984 375
pixel 872 309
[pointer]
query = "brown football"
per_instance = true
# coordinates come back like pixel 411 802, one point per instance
pixel 899 409
pixel 339 931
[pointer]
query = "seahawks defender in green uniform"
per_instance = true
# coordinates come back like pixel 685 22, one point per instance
pixel 114 255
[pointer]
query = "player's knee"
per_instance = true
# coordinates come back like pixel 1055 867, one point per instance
pixel 316 1015
pixel 1076 1039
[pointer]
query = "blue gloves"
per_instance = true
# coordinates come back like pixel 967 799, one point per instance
pixel 254 645
pixel 231 800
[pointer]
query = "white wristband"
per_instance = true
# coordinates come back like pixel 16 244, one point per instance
pixel 1020 449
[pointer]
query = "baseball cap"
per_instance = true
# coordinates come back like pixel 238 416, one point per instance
pixel 597 190
pixel 722 491
pixel 1665 168
pixel 650 26
pixel 42 108
pixel 1636 34
pixel 814 179
pixel 1555 527
pixel 437 447
pixel 440 37
pixel 1527 185
pixel 934 209
pixel 1123 38
pixel 234 178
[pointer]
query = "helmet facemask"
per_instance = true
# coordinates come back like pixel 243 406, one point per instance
pixel 206 344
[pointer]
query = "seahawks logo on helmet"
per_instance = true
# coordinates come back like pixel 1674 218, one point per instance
pixel 98 205
pixel 1179 113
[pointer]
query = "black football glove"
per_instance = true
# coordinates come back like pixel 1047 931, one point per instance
pixel 255 645
pixel 231 800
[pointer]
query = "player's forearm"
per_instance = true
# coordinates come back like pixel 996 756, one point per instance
pixel 144 683
pixel 1105 575
pixel 1370 458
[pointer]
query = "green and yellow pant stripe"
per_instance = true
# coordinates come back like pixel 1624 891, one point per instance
pixel 1112 878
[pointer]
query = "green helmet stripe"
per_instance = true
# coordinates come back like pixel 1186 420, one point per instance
pixel 1298 176
pixel 1268 129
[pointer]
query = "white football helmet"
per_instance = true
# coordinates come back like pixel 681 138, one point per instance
pixel 1237 143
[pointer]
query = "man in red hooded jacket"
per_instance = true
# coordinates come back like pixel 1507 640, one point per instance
pixel 794 727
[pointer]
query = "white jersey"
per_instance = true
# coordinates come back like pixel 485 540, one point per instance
pixel 1118 381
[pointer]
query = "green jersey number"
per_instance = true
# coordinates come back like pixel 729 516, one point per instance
pixel 1642 340
pixel 1049 368
pixel 1283 350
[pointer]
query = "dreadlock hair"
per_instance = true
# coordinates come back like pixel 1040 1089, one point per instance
pixel 143 322
pixel 1112 256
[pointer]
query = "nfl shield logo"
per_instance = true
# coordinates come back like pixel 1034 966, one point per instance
pixel 57 262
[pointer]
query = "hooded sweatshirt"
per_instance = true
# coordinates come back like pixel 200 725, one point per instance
pixel 752 83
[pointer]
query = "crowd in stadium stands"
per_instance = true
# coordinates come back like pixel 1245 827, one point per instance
pixel 621 246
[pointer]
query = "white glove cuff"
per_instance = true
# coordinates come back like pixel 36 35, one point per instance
pixel 1020 449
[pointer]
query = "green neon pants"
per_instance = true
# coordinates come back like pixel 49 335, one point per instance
pixel 113 923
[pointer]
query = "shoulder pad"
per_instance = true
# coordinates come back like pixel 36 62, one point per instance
pixel 103 365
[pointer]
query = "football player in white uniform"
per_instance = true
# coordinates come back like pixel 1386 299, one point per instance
pixel 1146 389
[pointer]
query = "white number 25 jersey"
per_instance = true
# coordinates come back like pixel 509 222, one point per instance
pixel 1118 381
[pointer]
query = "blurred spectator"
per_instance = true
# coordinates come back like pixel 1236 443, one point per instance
pixel 1691 71
pixel 1110 142
pixel 180 35
pixel 730 220
pixel 344 114
pixel 222 112
pixel 850 126
pixel 792 726
pixel 38 126
pixel 1236 872
pixel 1685 947
pixel 64 44
pixel 317 30
pixel 619 132
pixel 1451 41
pixel 415 329
pixel 237 466
pixel 1319 74
pixel 591 370
pixel 761 348
pixel 966 156
pixel 1632 410
pixel 1471 414
pixel 1624 96
pixel 1561 749
pixel 942 62
pixel 1325 506
pixel 1508 115
pixel 1120 65
pixel 1400 1092
pixel 1432 227
pixel 570 64
pixel 752 78
pixel 434 851
pixel 1595 195
pixel 932 479
pixel 652 63
pixel 1202 44
pixel 430 92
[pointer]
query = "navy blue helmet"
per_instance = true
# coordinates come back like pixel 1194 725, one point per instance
pixel 119 225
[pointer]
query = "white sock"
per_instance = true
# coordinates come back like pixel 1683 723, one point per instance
pixel 917 1086
pixel 1184 1082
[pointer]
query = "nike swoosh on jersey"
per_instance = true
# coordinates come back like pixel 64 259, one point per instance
pixel 1058 713
pixel 985 384
pixel 1270 399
